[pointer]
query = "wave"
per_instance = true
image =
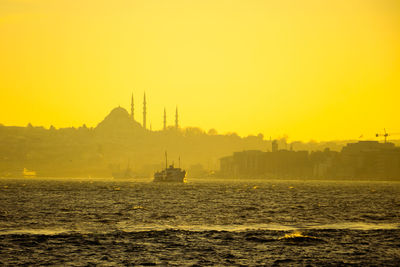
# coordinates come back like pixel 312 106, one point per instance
pixel 356 226
pixel 46 231
pixel 127 227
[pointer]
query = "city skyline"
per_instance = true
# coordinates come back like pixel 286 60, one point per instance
pixel 379 135
pixel 305 69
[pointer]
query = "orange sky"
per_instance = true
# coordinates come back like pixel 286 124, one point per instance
pixel 310 69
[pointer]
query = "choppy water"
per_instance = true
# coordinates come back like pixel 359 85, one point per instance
pixel 77 223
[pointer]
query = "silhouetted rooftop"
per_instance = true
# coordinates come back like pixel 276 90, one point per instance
pixel 367 146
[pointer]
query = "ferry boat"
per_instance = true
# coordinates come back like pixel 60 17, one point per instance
pixel 170 174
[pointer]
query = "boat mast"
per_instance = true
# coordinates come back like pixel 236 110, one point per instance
pixel 166 160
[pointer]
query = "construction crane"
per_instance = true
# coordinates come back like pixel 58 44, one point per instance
pixel 385 134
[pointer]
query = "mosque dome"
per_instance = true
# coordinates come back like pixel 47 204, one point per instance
pixel 118 113
pixel 118 120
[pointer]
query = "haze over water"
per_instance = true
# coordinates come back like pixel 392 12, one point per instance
pixel 61 222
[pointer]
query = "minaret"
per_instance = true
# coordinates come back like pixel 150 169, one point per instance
pixel 165 119
pixel 132 109
pixel 144 110
pixel 176 118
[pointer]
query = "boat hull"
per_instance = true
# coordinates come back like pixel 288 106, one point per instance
pixel 166 177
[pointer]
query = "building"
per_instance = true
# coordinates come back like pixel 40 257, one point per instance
pixel 364 160
pixel 259 164
pixel 369 160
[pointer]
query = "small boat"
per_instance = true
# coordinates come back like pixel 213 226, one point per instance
pixel 28 174
pixel 170 174
pixel 123 174
pixel 126 174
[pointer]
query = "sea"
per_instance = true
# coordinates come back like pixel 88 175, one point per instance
pixel 96 222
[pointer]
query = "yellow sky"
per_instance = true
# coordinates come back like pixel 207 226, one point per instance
pixel 310 69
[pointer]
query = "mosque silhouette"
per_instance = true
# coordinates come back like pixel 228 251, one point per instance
pixel 119 116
